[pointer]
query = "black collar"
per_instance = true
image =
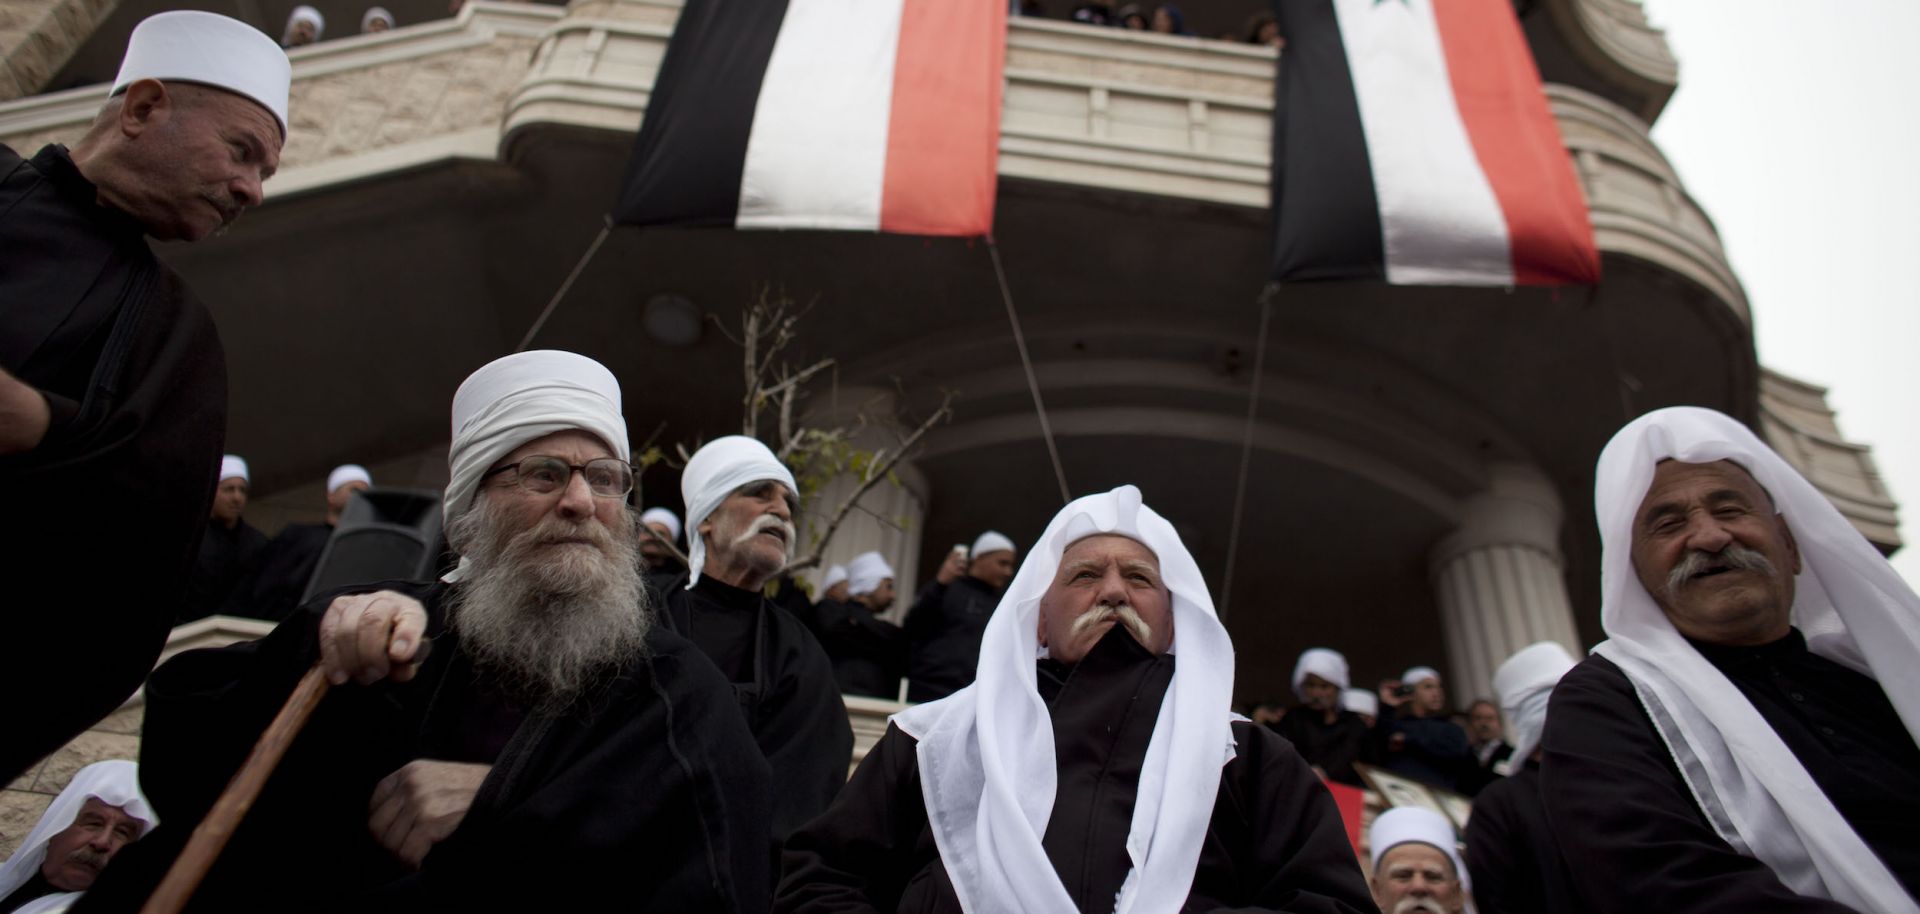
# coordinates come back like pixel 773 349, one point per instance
pixel 57 165
pixel 1728 657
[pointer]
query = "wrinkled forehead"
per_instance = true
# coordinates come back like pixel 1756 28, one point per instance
pixel 563 443
pixel 1418 854
pixel 1105 548
pixel 1674 479
pixel 104 809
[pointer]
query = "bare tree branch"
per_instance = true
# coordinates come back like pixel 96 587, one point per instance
pixel 654 535
pixel 877 470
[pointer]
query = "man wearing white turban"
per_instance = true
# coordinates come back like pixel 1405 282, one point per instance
pixel 834 585
pixel 278 580
pixel 120 434
pixel 1744 740
pixel 97 814
pixel 229 548
pixel 1328 736
pixel 1416 867
pixel 304 26
pixel 1511 850
pixel 553 749
pixel 740 502
pixel 662 528
pixel 950 615
pixel 869 653
pixel 1104 777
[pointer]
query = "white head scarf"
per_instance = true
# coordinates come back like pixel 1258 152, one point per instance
pixel 232 466
pixel 519 398
pixel 986 754
pixel 663 517
pixel 304 13
pixel 1848 602
pixel 1361 701
pixel 866 571
pixel 1418 675
pixel 1416 825
pixel 835 575
pixel 990 542
pixel 346 473
pixel 715 470
pixel 1325 663
pixel 1524 683
pixel 115 782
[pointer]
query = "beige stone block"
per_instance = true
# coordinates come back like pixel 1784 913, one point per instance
pixel 126 720
pixel 10 88
pixel 420 96
pixel 353 130
pixel 26 779
pixel 16 15
pixel 465 107
pixel 87 748
pixel 19 812
pixel 33 62
pixel 396 130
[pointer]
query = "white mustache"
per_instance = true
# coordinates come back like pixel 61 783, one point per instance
pixel 764 523
pixel 1735 556
pixel 1410 905
pixel 1124 612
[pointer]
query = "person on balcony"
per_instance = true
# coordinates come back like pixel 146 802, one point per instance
pixel 554 749
pixel 304 27
pixel 375 20
pixel 113 384
pixel 229 547
pixel 273 587
pixel 945 624
pixel 1328 736
pixel 1744 740
pixel 740 502
pixel 1109 774
pixel 869 653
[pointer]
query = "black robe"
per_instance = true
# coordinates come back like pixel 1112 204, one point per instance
pixel 136 381
pixel 1511 852
pixel 1275 843
pixel 783 686
pixel 1332 747
pixel 650 794
pixel 1628 821
pixel 868 652
pixel 944 627
pixel 1434 751
pixel 278 579
pixel 226 556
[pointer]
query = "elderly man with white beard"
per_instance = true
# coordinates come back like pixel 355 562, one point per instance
pixel 740 502
pixel 1744 740
pixel 1103 777
pixel 1416 866
pixel 552 750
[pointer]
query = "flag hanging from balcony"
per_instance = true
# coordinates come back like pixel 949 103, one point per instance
pixel 875 115
pixel 1413 143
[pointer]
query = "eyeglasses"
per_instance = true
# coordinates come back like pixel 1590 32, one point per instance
pixel 607 477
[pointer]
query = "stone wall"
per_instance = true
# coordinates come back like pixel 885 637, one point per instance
pixel 37 37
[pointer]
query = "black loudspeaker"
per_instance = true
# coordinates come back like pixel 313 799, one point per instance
pixel 383 535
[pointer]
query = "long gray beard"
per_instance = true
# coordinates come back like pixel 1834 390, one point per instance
pixel 550 625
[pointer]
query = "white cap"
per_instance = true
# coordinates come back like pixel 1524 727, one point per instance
pixel 308 14
pixel 346 473
pixel 1418 674
pixel 718 468
pixel 231 466
pixel 210 49
pixel 866 571
pixel 376 12
pixel 1323 662
pixel 663 517
pixel 1360 701
pixel 835 575
pixel 990 541
pixel 1415 825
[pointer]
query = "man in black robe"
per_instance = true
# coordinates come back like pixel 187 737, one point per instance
pixel 1744 739
pixel 554 750
pixel 946 621
pixel 228 548
pixel 868 652
pixel 113 385
pixel 279 579
pixel 1511 850
pixel 1109 773
pixel 740 504
pixel 1414 737
pixel 1327 735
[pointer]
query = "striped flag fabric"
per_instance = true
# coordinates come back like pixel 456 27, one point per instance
pixel 1413 143
pixel 865 115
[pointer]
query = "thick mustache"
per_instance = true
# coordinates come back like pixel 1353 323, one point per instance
pixel 1698 562
pixel 764 523
pixel 1123 612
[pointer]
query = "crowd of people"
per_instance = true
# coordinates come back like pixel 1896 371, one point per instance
pixel 557 721
pixel 1165 18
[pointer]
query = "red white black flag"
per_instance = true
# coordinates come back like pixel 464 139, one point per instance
pixel 875 115
pixel 1413 143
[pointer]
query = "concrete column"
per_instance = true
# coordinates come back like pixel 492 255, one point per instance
pixel 888 518
pixel 1499 579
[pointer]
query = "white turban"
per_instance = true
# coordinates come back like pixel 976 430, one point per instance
pixel 212 50
pixel 714 472
pixel 232 466
pixel 346 473
pixel 866 571
pixel 835 575
pixel 1415 825
pixel 664 518
pixel 989 542
pixel 1360 701
pixel 1853 608
pixel 1418 674
pixel 115 783
pixel 520 398
pixel 1325 663
pixel 301 14
pixel 375 12
pixel 1524 683
pixel 989 747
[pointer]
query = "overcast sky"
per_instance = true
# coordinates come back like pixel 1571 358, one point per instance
pixel 1797 127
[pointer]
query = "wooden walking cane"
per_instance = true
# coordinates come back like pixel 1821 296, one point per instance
pixel 210 836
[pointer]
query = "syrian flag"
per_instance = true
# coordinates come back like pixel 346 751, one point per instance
pixel 1412 143
pixel 874 115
